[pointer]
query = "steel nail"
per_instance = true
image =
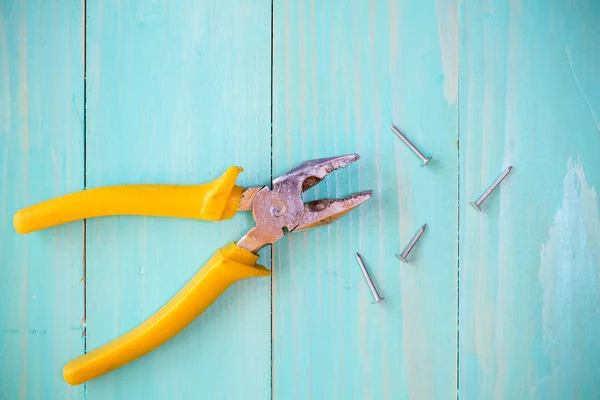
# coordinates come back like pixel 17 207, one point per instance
pixel 485 195
pixel 412 243
pixel 376 295
pixel 410 145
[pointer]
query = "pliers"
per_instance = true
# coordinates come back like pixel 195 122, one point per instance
pixel 273 210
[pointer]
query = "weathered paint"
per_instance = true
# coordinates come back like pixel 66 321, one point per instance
pixel 41 156
pixel 342 71
pixel 569 276
pixel 529 272
pixel 177 93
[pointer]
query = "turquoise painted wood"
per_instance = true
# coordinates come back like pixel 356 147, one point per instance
pixel 498 304
pixel 530 262
pixel 176 95
pixel 343 71
pixel 41 156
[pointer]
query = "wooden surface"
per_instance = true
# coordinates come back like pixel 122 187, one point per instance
pixel 530 263
pixel 498 304
pixel 336 93
pixel 176 95
pixel 41 156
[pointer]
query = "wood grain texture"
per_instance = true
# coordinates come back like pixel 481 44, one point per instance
pixel 176 93
pixel 41 156
pixel 530 262
pixel 342 72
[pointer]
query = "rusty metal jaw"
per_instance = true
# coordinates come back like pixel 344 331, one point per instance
pixel 283 207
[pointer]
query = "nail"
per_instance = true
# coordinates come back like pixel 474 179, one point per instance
pixel 410 145
pixel 412 243
pixel 485 195
pixel 376 295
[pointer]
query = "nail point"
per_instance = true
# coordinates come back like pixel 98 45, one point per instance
pixel 475 206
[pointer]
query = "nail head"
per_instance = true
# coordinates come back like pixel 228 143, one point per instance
pixel 402 258
pixel 475 206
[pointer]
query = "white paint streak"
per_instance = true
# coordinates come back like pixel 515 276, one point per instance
pixel 418 350
pixel 505 322
pixel 569 276
pixel 447 16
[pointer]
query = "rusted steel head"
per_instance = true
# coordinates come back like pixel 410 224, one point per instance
pixel 283 208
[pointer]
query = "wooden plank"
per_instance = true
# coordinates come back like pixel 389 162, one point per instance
pixel 41 156
pixel 176 94
pixel 530 262
pixel 342 72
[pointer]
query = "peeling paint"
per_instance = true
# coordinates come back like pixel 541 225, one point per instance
pixel 569 276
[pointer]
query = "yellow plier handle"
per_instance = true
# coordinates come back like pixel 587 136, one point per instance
pixel 274 210
pixel 227 265
pixel 216 200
